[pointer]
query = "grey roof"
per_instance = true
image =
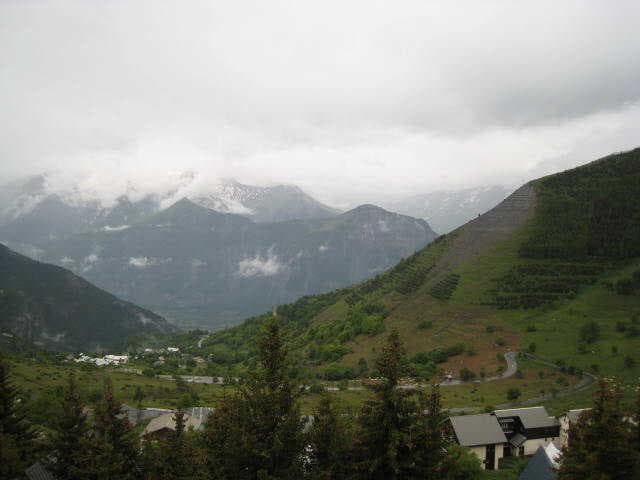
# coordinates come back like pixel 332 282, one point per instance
pixel 38 472
pixel 532 417
pixel 167 421
pixel 517 440
pixel 539 468
pixel 481 429
pixel 573 415
pixel 201 413
pixel 145 413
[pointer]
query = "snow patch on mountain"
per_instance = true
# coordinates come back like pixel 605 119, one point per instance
pixel 223 205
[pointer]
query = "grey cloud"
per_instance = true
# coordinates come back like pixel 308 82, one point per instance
pixel 330 95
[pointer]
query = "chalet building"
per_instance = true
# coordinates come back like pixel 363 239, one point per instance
pixel 482 435
pixel 527 429
pixel 164 425
pixel 504 433
pixel 566 420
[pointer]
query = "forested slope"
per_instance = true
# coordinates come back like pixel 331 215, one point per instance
pixel 50 306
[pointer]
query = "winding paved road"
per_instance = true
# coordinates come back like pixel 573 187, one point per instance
pixel 202 339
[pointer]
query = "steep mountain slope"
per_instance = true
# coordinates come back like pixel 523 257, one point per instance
pixel 207 268
pixel 448 209
pixel 534 273
pixel 52 307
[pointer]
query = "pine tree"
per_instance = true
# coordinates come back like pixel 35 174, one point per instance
pixel 428 439
pixel 635 436
pixel 227 444
pixel 385 446
pixel 257 433
pixel 16 436
pixel 138 396
pixel 114 444
pixel 599 445
pixel 329 443
pixel 177 457
pixel 70 438
pixel 461 464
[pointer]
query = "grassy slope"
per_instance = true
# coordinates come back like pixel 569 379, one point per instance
pixel 465 316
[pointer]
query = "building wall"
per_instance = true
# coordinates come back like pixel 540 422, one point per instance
pixel 564 430
pixel 531 446
pixel 499 454
pixel 481 452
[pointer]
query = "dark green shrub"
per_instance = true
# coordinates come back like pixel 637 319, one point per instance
pixel 629 362
pixel 466 375
pixel 513 394
pixel 590 332
pixel 425 324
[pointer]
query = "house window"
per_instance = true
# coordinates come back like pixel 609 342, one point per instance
pixel 521 451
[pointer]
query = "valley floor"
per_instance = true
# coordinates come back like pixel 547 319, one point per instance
pixel 42 380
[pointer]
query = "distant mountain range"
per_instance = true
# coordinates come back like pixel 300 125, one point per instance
pixel 446 210
pixel 212 257
pixel 33 211
pixel 49 306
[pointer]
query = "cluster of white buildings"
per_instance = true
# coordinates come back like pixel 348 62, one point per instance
pixel 162 350
pixel 104 360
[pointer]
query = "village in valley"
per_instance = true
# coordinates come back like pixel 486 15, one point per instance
pixel 494 437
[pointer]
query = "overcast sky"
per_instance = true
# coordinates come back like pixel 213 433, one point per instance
pixel 351 100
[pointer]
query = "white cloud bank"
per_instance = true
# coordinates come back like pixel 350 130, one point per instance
pixel 259 266
pixel 352 101
pixel 144 262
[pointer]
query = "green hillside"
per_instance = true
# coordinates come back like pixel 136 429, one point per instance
pixel 554 269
